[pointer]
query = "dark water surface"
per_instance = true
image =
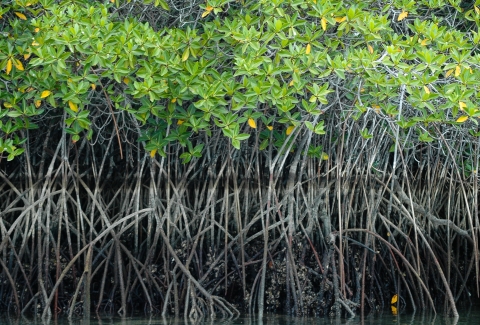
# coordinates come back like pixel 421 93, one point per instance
pixel 467 316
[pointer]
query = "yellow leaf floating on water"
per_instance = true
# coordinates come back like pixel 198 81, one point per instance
pixel 20 15
pixel 45 93
pixel 324 156
pixel 252 123
pixel 270 127
pixel 38 103
pixel 462 119
pixel 427 90
pixel 289 129
pixel 73 106
pixel 153 152
pixel 308 49
pixel 18 65
pixel 402 16
pixel 394 310
pixel 394 299
pixel 370 48
pixel 458 69
pixel 8 68
pixel 324 23
pixel 462 105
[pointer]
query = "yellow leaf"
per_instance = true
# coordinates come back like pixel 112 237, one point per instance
pixel 312 99
pixel 388 234
pixel 20 15
pixel 394 310
pixel 477 10
pixel 424 42
pixel 153 152
pixel 449 72
pixel 7 105
pixel 174 100
pixel 8 68
pixel 289 129
pixel 308 49
pixel 73 106
pixel 462 105
pixel 269 127
pixel 394 299
pixel 180 122
pixel 370 48
pixel 324 156
pixel 324 23
pixel 208 10
pixel 37 30
pixel 458 69
pixel 252 123
pixel 45 93
pixel 35 43
pixel 340 19
pixel 93 86
pixel 462 119
pixel 186 54
pixel 291 83
pixel 38 103
pixel 27 56
pixel 126 80
pixel 18 65
pixel 402 16
pixel 427 90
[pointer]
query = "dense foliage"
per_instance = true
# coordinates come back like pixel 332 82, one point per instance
pixel 278 66
pixel 244 138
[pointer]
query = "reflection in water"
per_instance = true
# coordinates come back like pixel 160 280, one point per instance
pixel 471 316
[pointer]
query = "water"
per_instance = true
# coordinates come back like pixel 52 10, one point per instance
pixel 468 316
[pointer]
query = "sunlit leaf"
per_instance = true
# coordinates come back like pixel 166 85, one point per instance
pixel 324 23
pixel 427 90
pixel 73 106
pixel 289 130
pixel 18 65
pixel 186 54
pixel 402 16
pixel 251 123
pixel 458 69
pixel 45 93
pixel 462 119
pixel 9 66
pixel 20 15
